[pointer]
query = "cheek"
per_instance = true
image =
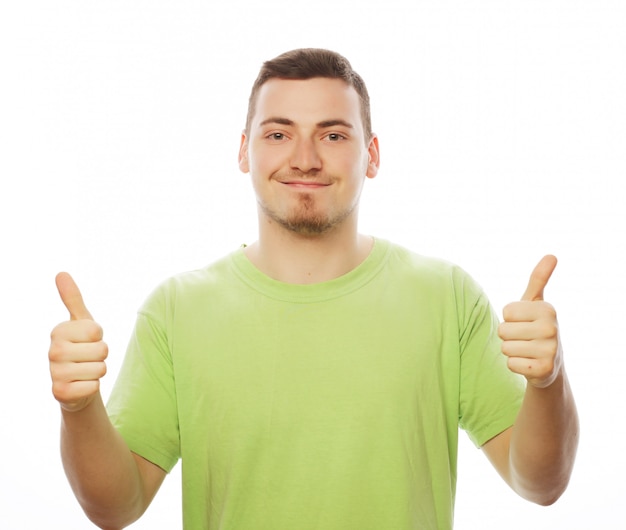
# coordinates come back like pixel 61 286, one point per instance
pixel 262 163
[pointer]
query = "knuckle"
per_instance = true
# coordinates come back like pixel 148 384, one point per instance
pixel 61 391
pixel 550 332
pixel 98 331
pixel 61 373
pixel 103 370
pixel 506 348
pixel 97 351
pixel 56 353
pixel 507 311
pixel 547 367
pixel 104 351
pixel 554 330
pixel 55 372
pixel 59 331
pixel 92 330
pixel 548 329
pixel 513 365
pixel 548 310
pixel 551 350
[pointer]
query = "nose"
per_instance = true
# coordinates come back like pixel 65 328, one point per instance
pixel 305 156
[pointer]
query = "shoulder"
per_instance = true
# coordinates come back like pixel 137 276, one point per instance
pixel 190 286
pixel 430 268
pixel 436 279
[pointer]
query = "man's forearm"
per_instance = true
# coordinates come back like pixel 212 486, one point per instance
pixel 100 467
pixel 544 442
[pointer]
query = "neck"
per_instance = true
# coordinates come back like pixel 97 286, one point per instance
pixel 293 258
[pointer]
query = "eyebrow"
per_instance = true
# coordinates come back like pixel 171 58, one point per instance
pixel 332 123
pixel 321 125
pixel 279 121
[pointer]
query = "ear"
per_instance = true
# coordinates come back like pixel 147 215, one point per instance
pixel 373 152
pixel 244 166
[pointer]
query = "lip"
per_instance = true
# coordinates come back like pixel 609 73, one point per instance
pixel 305 184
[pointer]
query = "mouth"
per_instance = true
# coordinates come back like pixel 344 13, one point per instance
pixel 305 184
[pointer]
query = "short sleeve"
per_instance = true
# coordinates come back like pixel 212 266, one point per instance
pixel 490 394
pixel 143 405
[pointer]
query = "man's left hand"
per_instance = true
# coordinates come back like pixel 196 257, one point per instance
pixel 530 331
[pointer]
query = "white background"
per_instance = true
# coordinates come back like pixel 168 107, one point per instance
pixel 503 136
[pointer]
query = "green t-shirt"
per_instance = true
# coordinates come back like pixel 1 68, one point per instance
pixel 327 406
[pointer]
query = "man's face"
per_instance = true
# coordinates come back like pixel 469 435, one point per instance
pixel 307 154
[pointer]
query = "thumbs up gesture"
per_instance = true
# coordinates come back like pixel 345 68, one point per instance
pixel 77 352
pixel 530 331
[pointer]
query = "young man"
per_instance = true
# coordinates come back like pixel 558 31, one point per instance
pixel 317 378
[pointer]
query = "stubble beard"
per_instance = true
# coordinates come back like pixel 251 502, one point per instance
pixel 304 220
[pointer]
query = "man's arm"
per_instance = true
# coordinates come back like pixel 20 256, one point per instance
pixel 113 485
pixel 536 456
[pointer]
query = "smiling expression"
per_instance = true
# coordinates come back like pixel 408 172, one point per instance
pixel 307 154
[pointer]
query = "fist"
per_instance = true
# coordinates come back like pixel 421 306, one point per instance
pixel 77 351
pixel 530 331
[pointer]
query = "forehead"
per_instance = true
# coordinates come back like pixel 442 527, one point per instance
pixel 306 101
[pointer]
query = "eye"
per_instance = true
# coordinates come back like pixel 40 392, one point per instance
pixel 335 137
pixel 276 136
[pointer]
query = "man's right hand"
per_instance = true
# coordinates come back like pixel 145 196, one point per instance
pixel 77 351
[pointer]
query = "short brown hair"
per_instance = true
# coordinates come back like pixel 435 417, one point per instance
pixel 307 63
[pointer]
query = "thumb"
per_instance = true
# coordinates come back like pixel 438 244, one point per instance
pixel 71 297
pixel 539 278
